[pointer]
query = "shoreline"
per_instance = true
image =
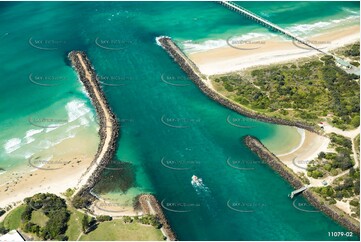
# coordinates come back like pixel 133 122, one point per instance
pixel 81 168
pixel 203 84
pixel 302 132
pixel 311 146
pixel 108 124
pixel 22 184
pixel 227 59
pixel 198 78
pixel 312 197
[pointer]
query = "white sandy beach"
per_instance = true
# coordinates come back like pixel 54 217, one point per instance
pixel 267 52
pixel 74 156
pixel 71 166
pixel 227 59
pixel 274 51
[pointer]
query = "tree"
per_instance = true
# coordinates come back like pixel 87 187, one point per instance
pixel 81 201
pixel 3 230
pixel 54 208
pixel 127 219
pixel 85 223
pixel 102 218
pixel 355 121
pixel 321 155
pixel 355 203
pixel 26 215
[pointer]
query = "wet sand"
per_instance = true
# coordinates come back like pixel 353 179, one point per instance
pixel 71 158
pixel 267 52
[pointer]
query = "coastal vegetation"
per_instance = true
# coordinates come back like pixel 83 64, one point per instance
pixel 350 53
pixel 259 92
pixel 49 217
pixel 345 188
pixel 311 91
pixel 332 163
pixel 323 197
pixel 149 220
pixel 82 200
pixel 45 215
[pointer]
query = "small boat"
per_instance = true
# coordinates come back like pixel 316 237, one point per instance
pixel 196 181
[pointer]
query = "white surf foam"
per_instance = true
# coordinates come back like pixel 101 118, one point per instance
pixel 28 154
pixel 51 129
pixel 76 109
pixel 303 29
pixel 12 145
pixel 190 46
pixel 30 133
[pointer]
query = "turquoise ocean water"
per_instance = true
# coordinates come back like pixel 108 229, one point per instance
pixel 168 132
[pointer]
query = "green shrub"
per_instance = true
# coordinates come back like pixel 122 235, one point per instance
pixel 3 230
pixel 355 121
pixel 81 201
pixel 334 172
pixel 103 218
pixel 355 203
pixel 127 219
pixel 151 220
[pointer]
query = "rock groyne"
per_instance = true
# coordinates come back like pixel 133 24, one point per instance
pixel 195 75
pixel 272 160
pixel 108 124
pixel 311 196
pixel 150 205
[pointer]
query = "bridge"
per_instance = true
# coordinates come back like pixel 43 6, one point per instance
pixel 295 192
pixel 268 24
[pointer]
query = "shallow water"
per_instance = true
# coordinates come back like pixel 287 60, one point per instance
pixel 168 132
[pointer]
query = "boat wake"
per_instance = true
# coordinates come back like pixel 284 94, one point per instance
pixel 198 185
pixel 205 195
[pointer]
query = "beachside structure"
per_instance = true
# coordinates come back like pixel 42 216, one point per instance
pixel 295 192
pixel 13 235
pixel 268 24
pixel 235 7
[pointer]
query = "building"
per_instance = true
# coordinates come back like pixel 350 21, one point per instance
pixel 13 235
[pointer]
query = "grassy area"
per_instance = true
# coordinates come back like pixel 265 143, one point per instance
pixel 118 230
pixel 39 218
pixel 13 219
pixel 35 221
pixel 306 91
pixel 74 224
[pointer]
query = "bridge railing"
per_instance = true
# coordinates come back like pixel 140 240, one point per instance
pixel 270 24
pixel 249 12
